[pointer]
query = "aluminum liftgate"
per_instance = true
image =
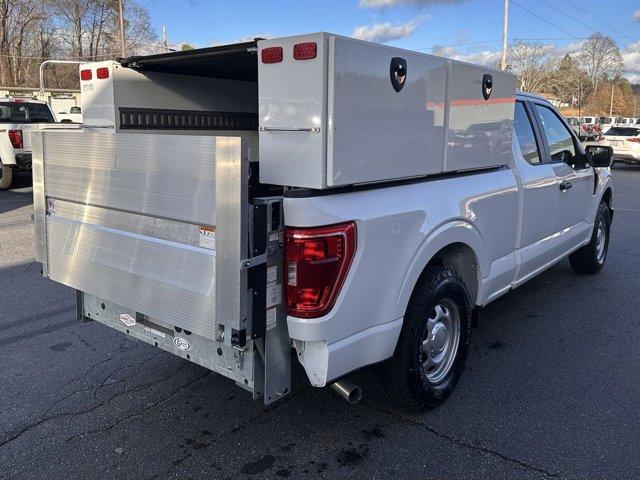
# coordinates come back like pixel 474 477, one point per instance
pixel 159 237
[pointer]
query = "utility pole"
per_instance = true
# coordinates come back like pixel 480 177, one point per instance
pixel 579 96
pixel 611 106
pixel 505 25
pixel 164 38
pixel 123 50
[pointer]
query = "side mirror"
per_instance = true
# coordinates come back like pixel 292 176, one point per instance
pixel 599 155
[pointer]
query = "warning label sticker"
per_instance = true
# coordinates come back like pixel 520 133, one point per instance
pixel 274 289
pixel 207 237
pixel 272 274
pixel 271 318
pixel 127 319
pixel 274 294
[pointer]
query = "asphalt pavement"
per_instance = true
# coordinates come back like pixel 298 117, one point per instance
pixel 551 388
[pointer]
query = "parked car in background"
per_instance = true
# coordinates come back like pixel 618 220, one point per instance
pixel 625 142
pixel 74 115
pixel 591 127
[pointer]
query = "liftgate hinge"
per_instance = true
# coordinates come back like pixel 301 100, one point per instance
pixel 253 261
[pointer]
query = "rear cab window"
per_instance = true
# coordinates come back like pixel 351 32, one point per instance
pixel 526 137
pixel 25 112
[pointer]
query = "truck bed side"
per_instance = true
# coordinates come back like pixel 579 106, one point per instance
pixel 399 229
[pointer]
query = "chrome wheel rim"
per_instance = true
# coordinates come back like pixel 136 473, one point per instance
pixel 440 341
pixel 601 241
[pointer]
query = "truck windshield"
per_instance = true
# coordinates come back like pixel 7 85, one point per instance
pixel 25 112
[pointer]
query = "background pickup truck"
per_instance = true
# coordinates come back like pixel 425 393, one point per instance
pixel 326 200
pixel 73 115
pixel 18 118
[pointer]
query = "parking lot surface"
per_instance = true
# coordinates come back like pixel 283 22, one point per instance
pixel 551 388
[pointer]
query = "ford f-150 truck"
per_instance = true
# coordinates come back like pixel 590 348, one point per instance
pixel 357 203
pixel 18 118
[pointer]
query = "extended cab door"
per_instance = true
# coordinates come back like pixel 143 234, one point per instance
pixel 540 195
pixel 575 179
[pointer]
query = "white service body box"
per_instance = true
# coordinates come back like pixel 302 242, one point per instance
pixel 341 119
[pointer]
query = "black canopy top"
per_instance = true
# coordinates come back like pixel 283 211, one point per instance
pixel 237 61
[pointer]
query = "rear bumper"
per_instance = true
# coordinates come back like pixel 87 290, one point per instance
pixel 324 362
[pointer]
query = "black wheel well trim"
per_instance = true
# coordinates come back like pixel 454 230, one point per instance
pixel 463 261
pixel 607 197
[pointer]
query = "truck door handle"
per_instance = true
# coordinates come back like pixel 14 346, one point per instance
pixel 565 185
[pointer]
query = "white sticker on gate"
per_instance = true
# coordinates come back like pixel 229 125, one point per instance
pixel 272 274
pixel 207 237
pixel 271 318
pixel 155 332
pixel 127 319
pixel 274 294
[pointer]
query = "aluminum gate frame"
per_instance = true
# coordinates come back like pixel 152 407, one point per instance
pixel 144 225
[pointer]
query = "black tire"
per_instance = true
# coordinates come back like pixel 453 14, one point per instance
pixel 6 176
pixel 589 259
pixel 403 377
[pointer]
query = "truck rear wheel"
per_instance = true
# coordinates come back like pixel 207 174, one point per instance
pixel 6 176
pixel 433 344
pixel 590 259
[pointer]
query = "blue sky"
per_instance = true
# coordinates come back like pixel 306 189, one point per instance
pixel 470 29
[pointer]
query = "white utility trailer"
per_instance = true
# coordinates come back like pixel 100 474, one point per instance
pixel 167 211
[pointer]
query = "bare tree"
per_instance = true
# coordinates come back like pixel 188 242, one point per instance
pixel 569 81
pixel 533 63
pixel 600 57
pixel 32 31
pixel 20 22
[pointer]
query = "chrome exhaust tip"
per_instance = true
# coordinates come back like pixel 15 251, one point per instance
pixel 347 390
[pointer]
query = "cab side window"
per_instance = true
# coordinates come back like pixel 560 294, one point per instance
pixel 525 135
pixel 561 146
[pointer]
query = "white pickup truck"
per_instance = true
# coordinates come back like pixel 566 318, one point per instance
pixel 355 202
pixel 18 117
pixel 73 115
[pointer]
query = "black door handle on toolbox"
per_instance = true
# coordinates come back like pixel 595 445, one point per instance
pixel 565 185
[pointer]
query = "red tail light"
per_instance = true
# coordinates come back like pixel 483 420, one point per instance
pixel 85 74
pixel 15 137
pixel 102 73
pixel 317 261
pixel 634 140
pixel 271 55
pixel 305 51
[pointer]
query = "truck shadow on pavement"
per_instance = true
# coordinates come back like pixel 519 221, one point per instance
pixel 115 401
